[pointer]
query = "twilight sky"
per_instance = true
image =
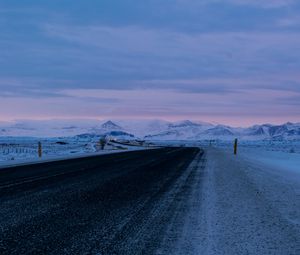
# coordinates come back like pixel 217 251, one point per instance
pixel 230 61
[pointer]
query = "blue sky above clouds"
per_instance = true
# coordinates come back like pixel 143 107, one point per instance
pixel 234 61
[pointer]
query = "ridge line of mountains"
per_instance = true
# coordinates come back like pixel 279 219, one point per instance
pixel 153 130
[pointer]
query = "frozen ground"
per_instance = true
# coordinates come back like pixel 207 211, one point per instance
pixel 282 162
pixel 19 150
pixel 247 206
pixel 267 145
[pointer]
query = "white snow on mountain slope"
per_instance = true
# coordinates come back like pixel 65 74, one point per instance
pixel 219 130
pixel 183 130
pixel 286 131
pixel 189 124
pixel 149 129
pixel 111 126
pixel 275 131
pixel 141 128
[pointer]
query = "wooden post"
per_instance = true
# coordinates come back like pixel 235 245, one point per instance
pixel 235 146
pixel 102 143
pixel 40 150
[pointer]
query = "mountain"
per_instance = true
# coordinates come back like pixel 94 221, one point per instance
pixel 182 130
pixel 193 131
pixel 285 131
pixel 294 132
pixel 184 124
pixel 278 130
pixel 166 135
pixel 111 134
pixel 109 125
pixel 110 128
pixel 268 131
pixel 141 128
pixel 119 134
pixel 187 130
pixel 258 130
pixel 149 129
pixel 219 130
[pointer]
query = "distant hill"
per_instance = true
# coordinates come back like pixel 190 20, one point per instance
pixel 150 130
pixel 109 125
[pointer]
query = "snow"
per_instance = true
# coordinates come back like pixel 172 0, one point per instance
pixel 277 160
pixel 151 129
pixel 248 208
pixel 237 205
pixel 23 150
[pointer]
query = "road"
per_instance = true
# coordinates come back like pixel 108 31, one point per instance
pixel 112 204
pixel 162 201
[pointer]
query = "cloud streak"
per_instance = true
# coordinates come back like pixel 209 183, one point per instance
pixel 256 3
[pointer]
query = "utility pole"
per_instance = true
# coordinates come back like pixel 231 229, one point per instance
pixel 235 146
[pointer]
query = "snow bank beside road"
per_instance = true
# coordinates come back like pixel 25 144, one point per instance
pixel 283 163
pixel 22 150
pixel 250 208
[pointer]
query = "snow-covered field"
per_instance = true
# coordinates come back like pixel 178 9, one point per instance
pixel 251 204
pixel 280 161
pixel 22 149
pixel 18 150
pixel 75 138
pixel 289 146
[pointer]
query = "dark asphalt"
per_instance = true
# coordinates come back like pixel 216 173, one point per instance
pixel 111 204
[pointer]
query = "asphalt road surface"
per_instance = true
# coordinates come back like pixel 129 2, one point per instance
pixel 112 204
pixel 169 201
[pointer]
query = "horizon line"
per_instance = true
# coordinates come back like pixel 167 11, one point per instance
pixel 148 119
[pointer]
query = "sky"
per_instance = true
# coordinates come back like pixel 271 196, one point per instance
pixel 228 61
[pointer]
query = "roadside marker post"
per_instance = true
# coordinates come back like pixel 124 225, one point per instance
pixel 235 146
pixel 40 150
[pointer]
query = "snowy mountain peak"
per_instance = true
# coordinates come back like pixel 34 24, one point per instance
pixel 219 130
pixel 111 126
pixel 151 129
pixel 185 123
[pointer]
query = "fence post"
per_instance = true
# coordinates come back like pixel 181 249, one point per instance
pixel 40 150
pixel 235 146
pixel 102 143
